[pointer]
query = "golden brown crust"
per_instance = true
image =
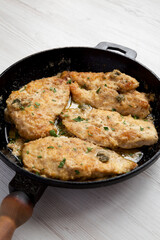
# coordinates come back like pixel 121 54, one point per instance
pixel 134 102
pixel 91 80
pixel 109 129
pixel 34 107
pixel 71 158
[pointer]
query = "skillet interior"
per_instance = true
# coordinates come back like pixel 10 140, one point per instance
pixel 51 62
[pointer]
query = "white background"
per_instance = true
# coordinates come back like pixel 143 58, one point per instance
pixel 129 210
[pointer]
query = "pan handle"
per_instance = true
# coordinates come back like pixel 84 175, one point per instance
pixel 15 210
pixel 17 207
pixel 116 47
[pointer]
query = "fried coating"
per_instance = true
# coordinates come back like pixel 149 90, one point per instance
pixel 91 80
pixel 35 106
pixel 134 102
pixel 109 129
pixel 71 159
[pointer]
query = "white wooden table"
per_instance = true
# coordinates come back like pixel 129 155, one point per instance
pixel 129 210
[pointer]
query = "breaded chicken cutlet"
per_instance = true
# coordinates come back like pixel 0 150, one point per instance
pixel 72 158
pixel 109 129
pixel 35 106
pixel 107 91
pixel 113 80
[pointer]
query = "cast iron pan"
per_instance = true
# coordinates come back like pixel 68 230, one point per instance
pixel 26 188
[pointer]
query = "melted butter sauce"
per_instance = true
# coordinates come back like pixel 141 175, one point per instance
pixel 134 155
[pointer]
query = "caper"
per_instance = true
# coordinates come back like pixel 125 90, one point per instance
pixel 102 157
pixel 120 98
pixel 116 72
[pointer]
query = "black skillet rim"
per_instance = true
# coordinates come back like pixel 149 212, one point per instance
pixel 78 184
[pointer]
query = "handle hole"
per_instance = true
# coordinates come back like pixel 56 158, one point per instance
pixel 114 49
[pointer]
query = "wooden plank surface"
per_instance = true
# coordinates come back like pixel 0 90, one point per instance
pixel 129 210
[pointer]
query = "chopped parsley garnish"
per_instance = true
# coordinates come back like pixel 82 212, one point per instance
pixel 27 152
pixel 11 140
pixel 53 89
pixel 78 119
pixel 62 132
pixel 105 85
pixel 23 89
pixel 77 172
pixel 141 128
pixel 53 133
pixel 108 117
pixel 66 115
pixel 39 156
pixel 98 90
pixel 124 122
pixel 69 81
pixel 90 134
pixel 131 154
pixel 87 77
pixel 106 128
pixel 113 129
pixel 130 105
pixel 84 86
pixel 50 147
pixel 36 105
pixel 53 100
pixel 21 107
pixel 37 173
pixel 62 163
pixel 135 117
pixel 51 122
pixel 113 109
pixel 29 105
pixel 75 149
pixel 89 149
